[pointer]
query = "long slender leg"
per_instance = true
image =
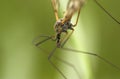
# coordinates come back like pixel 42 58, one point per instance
pixel 77 17
pixel 93 54
pixel 40 42
pixel 63 42
pixel 51 54
pixel 49 58
pixel 62 61
pixel 62 39
pixel 69 64
pixel 106 11
pixel 65 39
pixel 43 36
pixel 55 4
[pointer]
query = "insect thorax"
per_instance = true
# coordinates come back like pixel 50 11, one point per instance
pixel 62 28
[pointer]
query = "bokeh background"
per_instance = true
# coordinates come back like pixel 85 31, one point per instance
pixel 21 21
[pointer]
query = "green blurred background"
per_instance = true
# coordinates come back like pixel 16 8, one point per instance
pixel 23 20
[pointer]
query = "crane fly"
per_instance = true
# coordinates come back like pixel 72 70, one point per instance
pixel 62 25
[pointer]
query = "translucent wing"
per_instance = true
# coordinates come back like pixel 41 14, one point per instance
pixel 55 4
pixel 72 7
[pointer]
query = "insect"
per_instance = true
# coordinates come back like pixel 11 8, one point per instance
pixel 64 24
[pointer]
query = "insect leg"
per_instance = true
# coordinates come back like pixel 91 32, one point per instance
pixel 55 4
pixel 63 61
pixel 63 43
pixel 93 54
pixel 106 11
pixel 49 58
pixel 77 17
pixel 40 42
pixel 62 39
pixel 69 64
